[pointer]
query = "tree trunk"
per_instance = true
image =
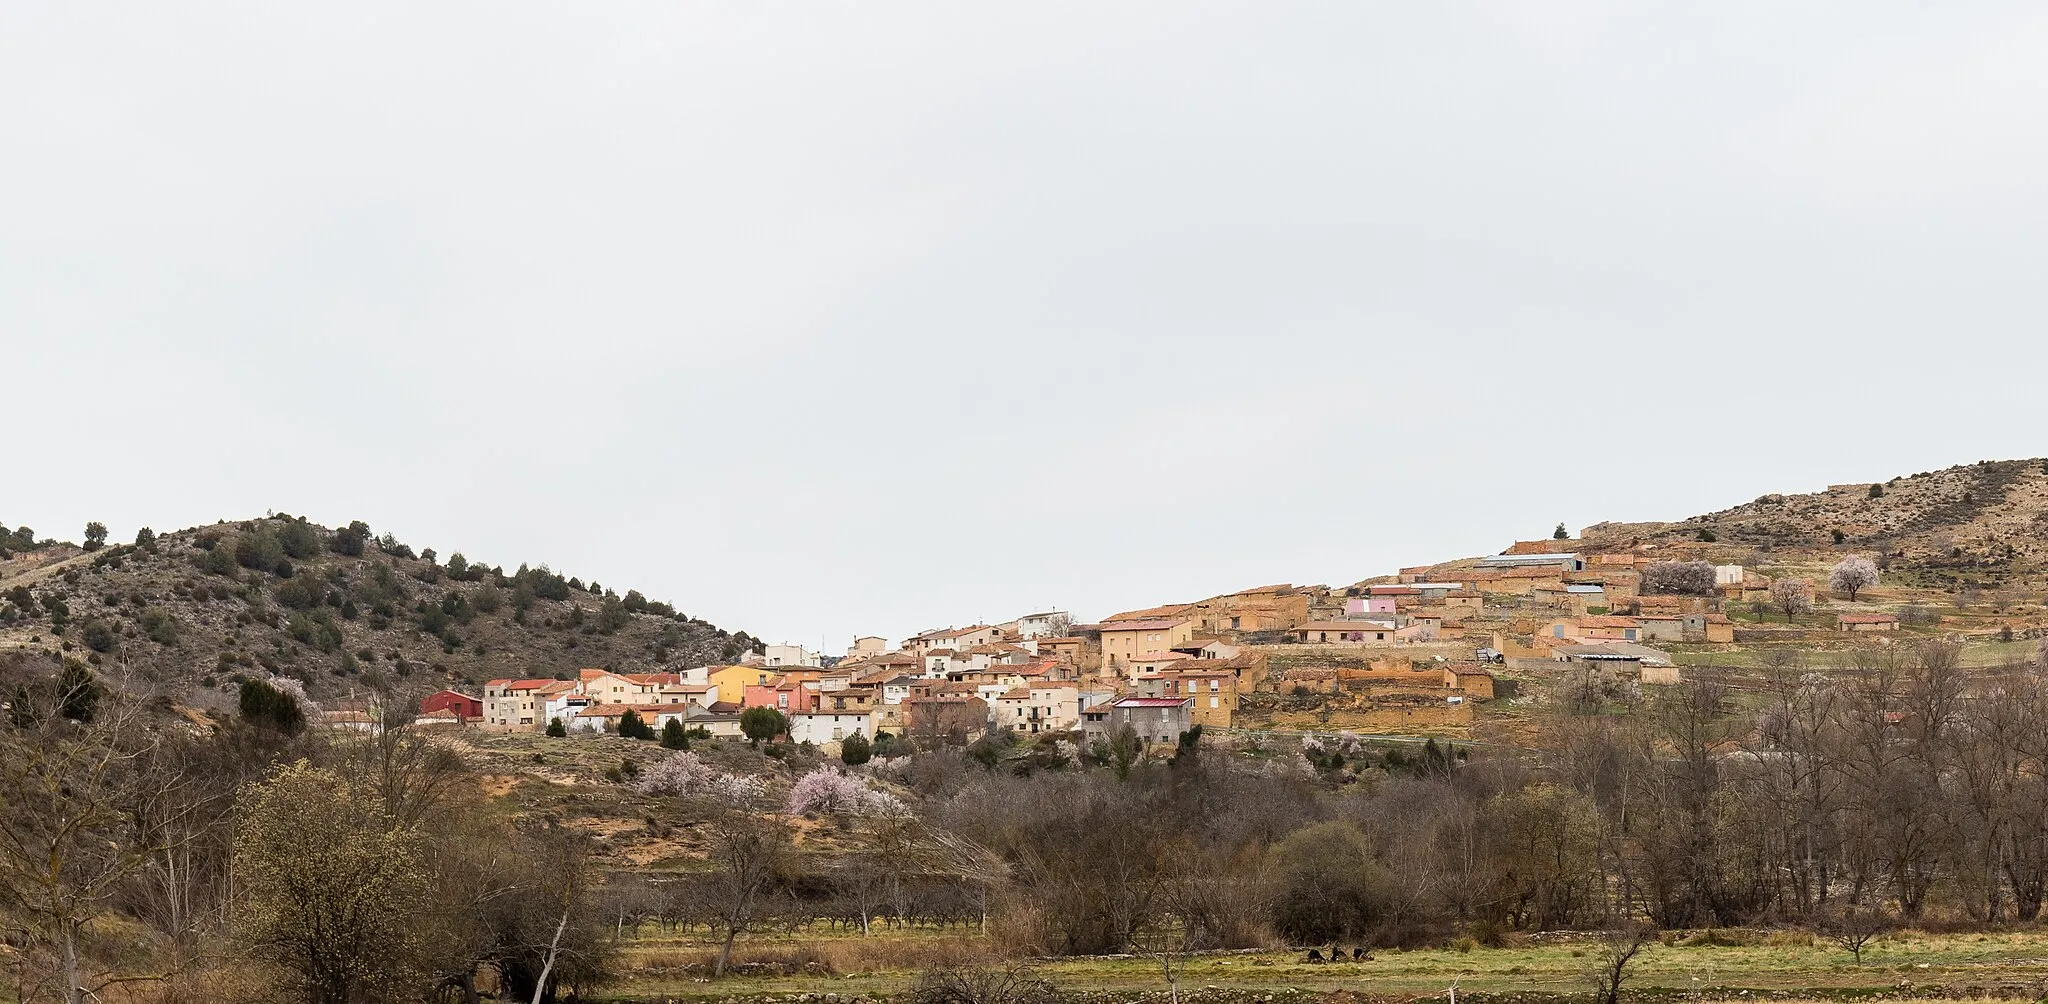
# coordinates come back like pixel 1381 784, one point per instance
pixel 73 993
pixel 540 986
pixel 732 934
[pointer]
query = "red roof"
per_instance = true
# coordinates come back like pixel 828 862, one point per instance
pixel 1869 618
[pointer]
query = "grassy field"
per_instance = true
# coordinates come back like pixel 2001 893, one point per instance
pixel 1731 966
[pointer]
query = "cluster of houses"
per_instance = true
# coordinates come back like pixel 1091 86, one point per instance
pixel 1035 675
pixel 1164 669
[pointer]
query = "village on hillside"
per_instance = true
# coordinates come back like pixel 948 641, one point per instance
pixel 1436 650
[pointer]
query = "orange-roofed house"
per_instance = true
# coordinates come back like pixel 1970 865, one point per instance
pixel 1869 622
pixel 619 688
pixel 787 696
pixel 517 704
pixel 1124 642
pixel 604 717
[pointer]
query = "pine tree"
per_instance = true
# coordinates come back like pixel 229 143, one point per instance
pixel 855 750
pixel 631 727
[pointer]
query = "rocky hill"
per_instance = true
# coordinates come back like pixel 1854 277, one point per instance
pixel 1977 524
pixel 338 609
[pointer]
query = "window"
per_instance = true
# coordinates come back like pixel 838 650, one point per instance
pixel 1215 702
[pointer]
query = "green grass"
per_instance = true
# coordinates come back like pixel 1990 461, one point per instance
pixel 1782 965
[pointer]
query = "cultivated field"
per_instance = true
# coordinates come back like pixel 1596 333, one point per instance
pixel 1722 965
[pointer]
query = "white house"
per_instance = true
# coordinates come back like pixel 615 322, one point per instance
pixel 703 695
pixel 1042 625
pixel 895 690
pixel 1040 707
pixel 565 705
pixel 958 639
pixel 791 655
pixel 821 727
pixel 605 717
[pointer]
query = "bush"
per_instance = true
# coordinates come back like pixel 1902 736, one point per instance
pixel 161 627
pixel 350 539
pixel 95 535
pixel 674 736
pixel 258 549
pixel 855 750
pixel 762 723
pixel 1332 887
pixel 299 539
pixel 390 544
pixel 267 705
pixel 98 635
pixel 145 539
pixel 218 561
pixel 982 985
pixel 687 775
pixel 826 791
pixel 302 593
pixel 556 729
pixel 78 691
pixel 631 727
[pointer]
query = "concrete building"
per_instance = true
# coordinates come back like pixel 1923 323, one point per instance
pixel 790 655
pixel 1159 721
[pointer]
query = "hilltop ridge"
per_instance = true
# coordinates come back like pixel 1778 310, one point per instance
pixel 1984 523
pixel 337 609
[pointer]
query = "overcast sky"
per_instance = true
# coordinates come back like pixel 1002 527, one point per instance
pixel 831 318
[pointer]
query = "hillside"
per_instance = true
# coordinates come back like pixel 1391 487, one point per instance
pixel 1982 524
pixel 338 610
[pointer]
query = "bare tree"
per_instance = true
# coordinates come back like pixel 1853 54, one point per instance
pixel 1618 949
pixel 750 856
pixel 1013 984
pixel 1121 749
pixel 1852 927
pixel 70 834
pixel 1683 578
pixel 1852 575
pixel 1792 597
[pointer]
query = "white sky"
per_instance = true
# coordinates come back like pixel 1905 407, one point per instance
pixel 832 318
